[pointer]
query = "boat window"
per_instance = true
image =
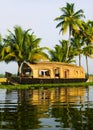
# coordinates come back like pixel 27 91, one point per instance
pixel 57 74
pixel 44 73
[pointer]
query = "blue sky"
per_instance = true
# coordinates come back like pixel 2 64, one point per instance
pixel 38 15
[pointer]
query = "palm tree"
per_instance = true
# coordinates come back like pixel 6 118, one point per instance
pixel 22 45
pixel 33 51
pixel 88 51
pixel 59 52
pixel 77 42
pixel 69 20
pixel 16 43
pixel 1 48
pixel 4 51
pixel 87 34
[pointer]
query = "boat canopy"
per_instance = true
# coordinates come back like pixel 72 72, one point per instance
pixel 51 70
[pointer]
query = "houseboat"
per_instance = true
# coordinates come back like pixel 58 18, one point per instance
pixel 50 72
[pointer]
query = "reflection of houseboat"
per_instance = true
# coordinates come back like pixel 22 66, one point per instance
pixel 54 95
pixel 51 72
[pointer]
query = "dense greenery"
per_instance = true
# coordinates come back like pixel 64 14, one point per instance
pixel 22 45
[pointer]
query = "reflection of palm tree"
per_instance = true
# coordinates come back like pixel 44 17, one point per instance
pixel 20 116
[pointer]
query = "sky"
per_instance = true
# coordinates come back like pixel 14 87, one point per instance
pixel 39 16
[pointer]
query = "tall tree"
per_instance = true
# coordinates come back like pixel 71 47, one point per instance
pixel 1 48
pixel 16 42
pixel 88 52
pixel 33 50
pixel 88 39
pixel 59 52
pixel 77 42
pixel 69 20
pixel 4 50
pixel 21 45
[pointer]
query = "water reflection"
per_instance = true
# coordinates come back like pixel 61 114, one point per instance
pixel 56 108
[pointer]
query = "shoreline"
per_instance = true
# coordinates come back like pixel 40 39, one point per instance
pixel 34 86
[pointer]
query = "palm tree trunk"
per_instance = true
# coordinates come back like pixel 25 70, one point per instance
pixel 79 60
pixel 18 73
pixel 87 65
pixel 70 28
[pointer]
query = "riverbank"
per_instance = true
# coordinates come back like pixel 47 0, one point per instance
pixel 3 84
pixel 32 86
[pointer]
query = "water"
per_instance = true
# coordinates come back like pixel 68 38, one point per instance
pixel 55 108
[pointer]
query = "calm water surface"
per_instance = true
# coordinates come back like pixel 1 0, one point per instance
pixel 56 108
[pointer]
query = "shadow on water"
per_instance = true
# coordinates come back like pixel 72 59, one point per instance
pixel 56 108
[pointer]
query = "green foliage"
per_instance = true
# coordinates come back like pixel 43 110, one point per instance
pixel 22 46
pixel 2 75
pixel 69 20
pixel 59 52
pixel 33 86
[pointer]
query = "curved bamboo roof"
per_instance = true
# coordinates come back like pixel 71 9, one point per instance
pixel 47 64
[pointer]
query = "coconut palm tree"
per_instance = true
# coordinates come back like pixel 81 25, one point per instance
pixel 4 50
pixel 59 52
pixel 77 42
pixel 88 51
pixel 33 51
pixel 87 34
pixel 16 43
pixel 69 20
pixel 1 47
pixel 23 46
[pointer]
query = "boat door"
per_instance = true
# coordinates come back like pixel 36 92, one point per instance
pixel 66 74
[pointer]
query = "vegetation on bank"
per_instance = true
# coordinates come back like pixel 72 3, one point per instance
pixel 34 86
pixel 2 75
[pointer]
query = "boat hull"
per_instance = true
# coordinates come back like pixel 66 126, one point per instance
pixel 27 80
